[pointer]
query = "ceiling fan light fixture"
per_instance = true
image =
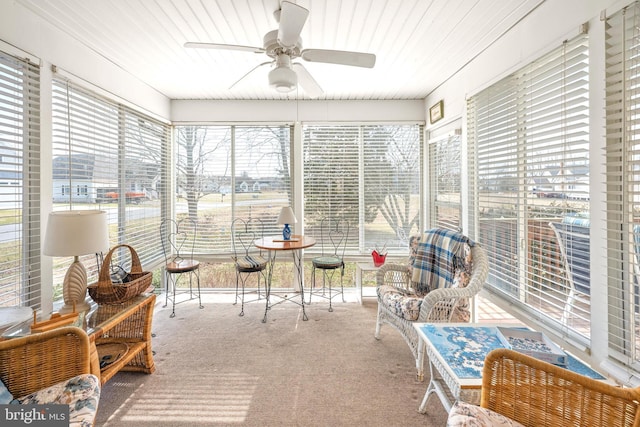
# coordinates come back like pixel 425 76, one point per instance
pixel 283 79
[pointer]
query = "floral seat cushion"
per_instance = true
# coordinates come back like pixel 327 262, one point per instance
pixel 81 393
pixel 464 414
pixel 404 303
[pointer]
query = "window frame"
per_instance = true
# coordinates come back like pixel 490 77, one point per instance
pixel 540 110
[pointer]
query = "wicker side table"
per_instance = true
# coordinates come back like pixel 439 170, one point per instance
pixel 128 323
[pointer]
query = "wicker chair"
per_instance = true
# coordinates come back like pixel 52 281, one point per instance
pixel 50 361
pixel 438 305
pixel 536 393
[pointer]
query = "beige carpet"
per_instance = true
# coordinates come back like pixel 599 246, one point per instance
pixel 216 368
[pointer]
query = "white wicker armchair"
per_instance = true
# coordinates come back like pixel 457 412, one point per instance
pixel 439 305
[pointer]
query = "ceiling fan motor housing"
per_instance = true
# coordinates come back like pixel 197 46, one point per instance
pixel 272 47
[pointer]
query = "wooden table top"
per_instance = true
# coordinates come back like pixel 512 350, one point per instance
pixel 275 243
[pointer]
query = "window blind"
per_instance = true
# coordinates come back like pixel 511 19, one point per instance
pixel 623 183
pixel 368 175
pixel 529 139
pixel 108 156
pixel 20 276
pixel 225 171
pixel 445 164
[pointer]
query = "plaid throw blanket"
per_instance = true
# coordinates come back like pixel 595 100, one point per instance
pixel 439 255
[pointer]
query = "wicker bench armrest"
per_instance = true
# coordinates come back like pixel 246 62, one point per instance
pixel 37 361
pixel 394 275
pixel 536 393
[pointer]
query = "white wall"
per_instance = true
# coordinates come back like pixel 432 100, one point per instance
pixel 291 111
pixel 544 29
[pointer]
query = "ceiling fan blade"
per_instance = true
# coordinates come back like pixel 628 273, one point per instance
pixel 249 72
pixel 306 81
pixel 241 48
pixel 342 57
pixel 292 19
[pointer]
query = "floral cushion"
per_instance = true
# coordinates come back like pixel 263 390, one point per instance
pixel 464 414
pixel 414 241
pixel 462 276
pixel 81 393
pixel 403 303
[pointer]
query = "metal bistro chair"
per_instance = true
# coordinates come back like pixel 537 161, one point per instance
pixel 248 259
pixel 574 242
pixel 178 241
pixel 333 242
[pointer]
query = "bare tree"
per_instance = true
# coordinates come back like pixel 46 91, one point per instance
pixel 195 152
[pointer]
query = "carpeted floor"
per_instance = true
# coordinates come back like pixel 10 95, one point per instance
pixel 216 368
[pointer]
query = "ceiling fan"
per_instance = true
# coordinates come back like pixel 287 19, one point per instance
pixel 285 45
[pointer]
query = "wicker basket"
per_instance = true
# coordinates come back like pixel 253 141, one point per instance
pixel 106 292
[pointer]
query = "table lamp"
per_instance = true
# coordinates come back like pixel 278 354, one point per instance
pixel 286 217
pixel 75 233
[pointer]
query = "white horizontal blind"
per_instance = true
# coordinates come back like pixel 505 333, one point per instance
pixel 145 140
pixel 623 183
pixel 368 175
pixel 445 164
pixel 20 276
pixel 225 172
pixel 492 116
pixel 108 156
pixel 530 135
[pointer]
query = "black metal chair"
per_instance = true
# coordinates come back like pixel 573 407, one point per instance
pixel 574 243
pixel 248 259
pixel 178 242
pixel 334 234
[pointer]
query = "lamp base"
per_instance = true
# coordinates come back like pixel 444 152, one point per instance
pixel 74 288
pixel 286 232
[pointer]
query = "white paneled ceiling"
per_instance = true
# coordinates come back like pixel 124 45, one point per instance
pixel 417 43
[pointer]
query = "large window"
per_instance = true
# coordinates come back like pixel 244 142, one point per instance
pixel 368 175
pixel 445 167
pixel 528 134
pixel 623 184
pixel 19 182
pixel 108 156
pixel 224 172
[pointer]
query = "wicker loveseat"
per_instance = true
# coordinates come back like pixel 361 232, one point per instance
pixel 52 368
pixel 521 390
pixel 406 295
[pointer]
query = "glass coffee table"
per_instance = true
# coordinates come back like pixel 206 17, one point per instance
pixel 456 353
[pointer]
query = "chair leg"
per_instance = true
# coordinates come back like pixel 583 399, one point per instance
pixel 169 283
pixel 313 283
pixel 197 273
pixel 166 289
pixel 326 272
pixel 175 285
pixel 341 282
pixel 237 281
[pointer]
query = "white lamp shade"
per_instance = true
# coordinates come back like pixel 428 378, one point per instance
pixel 75 233
pixel 287 216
